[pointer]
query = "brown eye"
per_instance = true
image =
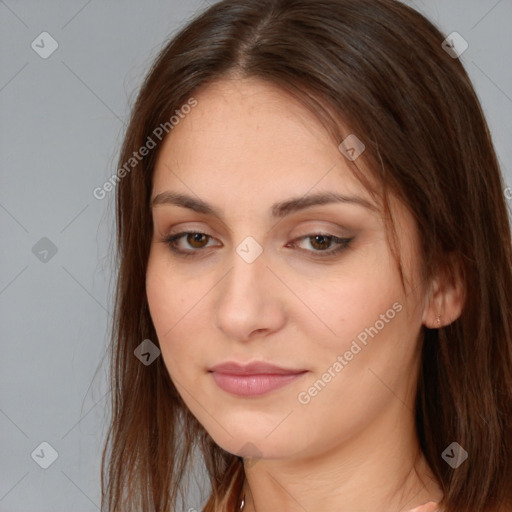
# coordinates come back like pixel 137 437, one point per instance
pixel 323 245
pixel 197 240
pixel 187 243
pixel 320 242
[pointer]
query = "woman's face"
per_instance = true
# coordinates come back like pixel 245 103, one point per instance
pixel 278 277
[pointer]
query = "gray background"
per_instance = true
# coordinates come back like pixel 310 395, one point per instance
pixel 61 126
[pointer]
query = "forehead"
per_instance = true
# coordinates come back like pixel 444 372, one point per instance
pixel 247 136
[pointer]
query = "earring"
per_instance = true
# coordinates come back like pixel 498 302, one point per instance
pixel 439 321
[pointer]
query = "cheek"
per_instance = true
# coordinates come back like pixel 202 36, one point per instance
pixel 168 304
pixel 374 350
pixel 170 293
pixel 372 337
pixel 352 299
pixel 160 301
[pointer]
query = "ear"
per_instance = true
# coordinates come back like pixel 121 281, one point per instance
pixel 445 297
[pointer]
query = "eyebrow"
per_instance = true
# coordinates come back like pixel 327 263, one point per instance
pixel 278 210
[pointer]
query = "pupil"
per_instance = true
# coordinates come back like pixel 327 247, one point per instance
pixel 197 238
pixel 322 240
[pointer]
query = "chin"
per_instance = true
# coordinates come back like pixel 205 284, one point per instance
pixel 252 443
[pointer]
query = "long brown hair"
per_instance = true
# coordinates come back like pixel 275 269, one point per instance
pixel 378 66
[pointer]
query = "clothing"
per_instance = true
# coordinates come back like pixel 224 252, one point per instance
pixel 431 506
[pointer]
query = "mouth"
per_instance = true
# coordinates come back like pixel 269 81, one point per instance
pixel 253 379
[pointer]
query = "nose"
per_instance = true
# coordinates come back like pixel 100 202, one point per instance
pixel 249 300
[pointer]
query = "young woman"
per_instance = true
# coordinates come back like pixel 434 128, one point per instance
pixel 315 254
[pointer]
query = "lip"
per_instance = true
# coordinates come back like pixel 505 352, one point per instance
pixel 253 379
pixel 254 368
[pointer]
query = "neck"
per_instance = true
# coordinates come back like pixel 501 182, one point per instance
pixel 365 473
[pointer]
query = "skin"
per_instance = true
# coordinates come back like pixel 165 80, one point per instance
pixel 353 447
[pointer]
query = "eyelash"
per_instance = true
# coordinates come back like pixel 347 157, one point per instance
pixel 343 243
